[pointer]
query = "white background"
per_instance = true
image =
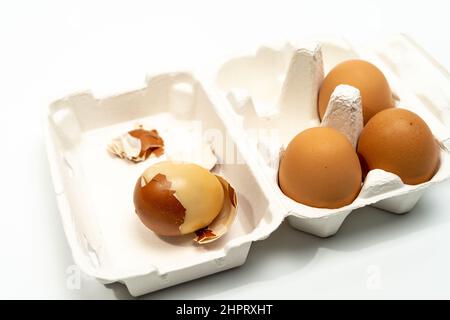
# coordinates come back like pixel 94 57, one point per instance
pixel 52 48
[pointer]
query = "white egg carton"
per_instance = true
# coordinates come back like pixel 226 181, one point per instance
pixel 94 190
pixel 273 96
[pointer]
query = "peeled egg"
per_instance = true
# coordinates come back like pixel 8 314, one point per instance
pixel 399 141
pixel 376 94
pixel 173 198
pixel 320 169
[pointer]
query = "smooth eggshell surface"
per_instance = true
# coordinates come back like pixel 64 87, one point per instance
pixel 399 141
pixel 320 168
pixel 376 94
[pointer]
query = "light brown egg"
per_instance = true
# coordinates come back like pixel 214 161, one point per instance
pixel 376 94
pixel 320 169
pixel 179 198
pixel 399 141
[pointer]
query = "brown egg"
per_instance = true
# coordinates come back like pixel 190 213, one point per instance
pixel 399 141
pixel 376 94
pixel 320 169
pixel 179 198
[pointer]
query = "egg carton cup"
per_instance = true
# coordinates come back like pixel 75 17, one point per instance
pixel 276 90
pixel 272 89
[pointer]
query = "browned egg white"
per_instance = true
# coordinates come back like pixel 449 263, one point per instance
pixel 174 199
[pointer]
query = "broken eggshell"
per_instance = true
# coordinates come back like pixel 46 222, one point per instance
pixel 137 145
pixel 219 226
pixel 176 198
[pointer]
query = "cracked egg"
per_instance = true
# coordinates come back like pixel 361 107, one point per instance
pixel 176 198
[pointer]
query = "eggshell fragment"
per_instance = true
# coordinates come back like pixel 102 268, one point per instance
pixel 221 223
pixel 399 141
pixel 137 145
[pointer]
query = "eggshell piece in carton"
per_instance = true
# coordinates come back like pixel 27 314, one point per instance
pixel 220 225
pixel 137 145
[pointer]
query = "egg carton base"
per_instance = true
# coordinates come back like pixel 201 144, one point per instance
pixel 94 188
pixel 148 283
pixel 400 204
pixel 322 227
pixel 256 104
